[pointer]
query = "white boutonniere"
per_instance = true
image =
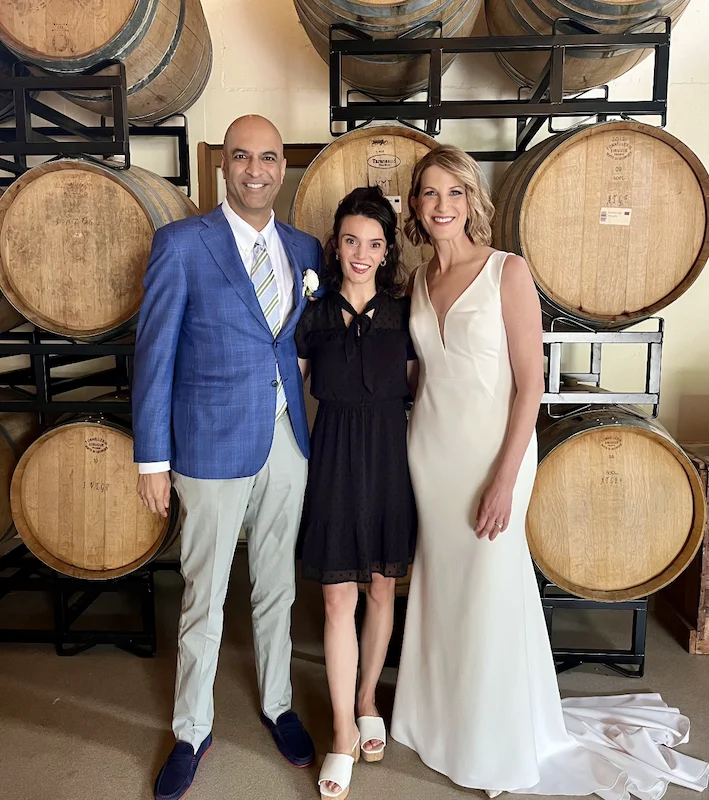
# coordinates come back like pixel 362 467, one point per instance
pixel 311 282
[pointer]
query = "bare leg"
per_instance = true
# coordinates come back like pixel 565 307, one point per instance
pixel 376 633
pixel 341 657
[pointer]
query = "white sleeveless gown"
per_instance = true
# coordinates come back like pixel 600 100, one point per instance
pixel 477 695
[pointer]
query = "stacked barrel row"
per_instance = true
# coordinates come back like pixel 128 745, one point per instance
pixel 75 237
pixel 613 221
pixel 392 76
pixel 167 52
pixel 164 46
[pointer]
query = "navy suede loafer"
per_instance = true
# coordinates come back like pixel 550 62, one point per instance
pixel 178 772
pixel 291 738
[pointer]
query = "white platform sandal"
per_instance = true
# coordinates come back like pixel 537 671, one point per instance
pixel 337 768
pixel 371 728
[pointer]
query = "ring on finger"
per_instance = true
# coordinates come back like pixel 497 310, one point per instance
pixel 500 525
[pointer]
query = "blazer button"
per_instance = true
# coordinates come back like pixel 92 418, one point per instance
pixel 274 384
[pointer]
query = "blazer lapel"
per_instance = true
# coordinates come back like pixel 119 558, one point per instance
pixel 219 239
pixel 294 258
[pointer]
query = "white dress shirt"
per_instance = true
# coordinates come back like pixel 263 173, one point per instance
pixel 245 237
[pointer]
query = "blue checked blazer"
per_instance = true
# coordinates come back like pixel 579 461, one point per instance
pixel 204 374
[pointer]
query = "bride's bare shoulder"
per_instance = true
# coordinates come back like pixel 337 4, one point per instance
pixel 516 282
pixel 514 263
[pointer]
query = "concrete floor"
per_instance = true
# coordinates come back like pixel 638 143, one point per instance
pixel 97 725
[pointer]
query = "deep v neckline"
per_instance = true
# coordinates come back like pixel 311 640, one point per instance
pixel 441 328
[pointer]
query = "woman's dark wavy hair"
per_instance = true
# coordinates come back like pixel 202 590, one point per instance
pixel 370 202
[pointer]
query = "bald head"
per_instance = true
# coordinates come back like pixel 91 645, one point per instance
pixel 253 167
pixel 253 127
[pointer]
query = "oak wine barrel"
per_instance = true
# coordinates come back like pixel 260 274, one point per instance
pixel 164 45
pixel 387 76
pixel 17 432
pixel 75 237
pixel 583 68
pixel 75 505
pixel 376 156
pixel 613 220
pixel 617 510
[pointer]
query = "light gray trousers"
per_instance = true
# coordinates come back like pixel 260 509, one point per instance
pixel 269 506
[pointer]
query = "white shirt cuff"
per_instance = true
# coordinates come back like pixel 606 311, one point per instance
pixel 153 466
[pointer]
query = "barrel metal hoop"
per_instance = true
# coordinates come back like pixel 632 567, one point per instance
pixel 363 12
pixel 157 70
pixel 167 58
pixel 589 419
pixel 188 93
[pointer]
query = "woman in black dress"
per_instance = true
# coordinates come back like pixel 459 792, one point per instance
pixel 359 518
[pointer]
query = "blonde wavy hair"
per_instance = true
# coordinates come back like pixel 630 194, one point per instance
pixel 468 174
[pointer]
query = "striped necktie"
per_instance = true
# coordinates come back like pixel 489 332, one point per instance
pixel 264 281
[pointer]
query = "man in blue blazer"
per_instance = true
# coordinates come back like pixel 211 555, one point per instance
pixel 218 399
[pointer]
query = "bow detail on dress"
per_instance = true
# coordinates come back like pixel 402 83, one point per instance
pixel 358 338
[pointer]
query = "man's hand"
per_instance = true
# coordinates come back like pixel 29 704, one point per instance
pixel 154 491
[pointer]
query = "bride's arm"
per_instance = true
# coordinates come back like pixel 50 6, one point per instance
pixel 523 321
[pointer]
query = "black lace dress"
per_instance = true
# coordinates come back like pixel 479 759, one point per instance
pixel 359 515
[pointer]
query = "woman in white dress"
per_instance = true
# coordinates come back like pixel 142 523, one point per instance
pixel 477 695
